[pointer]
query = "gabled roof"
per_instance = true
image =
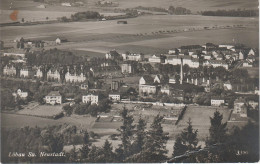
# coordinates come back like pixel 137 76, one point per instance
pixel 54 93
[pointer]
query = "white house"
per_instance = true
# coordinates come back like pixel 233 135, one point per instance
pixel 217 101
pixel 93 99
pixel 74 77
pixel 39 73
pixel 114 96
pixel 146 85
pixel 227 85
pixel 251 52
pixel 240 107
pixel 247 64
pixel 53 98
pixel 166 89
pixel 9 70
pixel 126 68
pixel 216 63
pixel 53 74
pixel 155 59
pixel 21 94
pixel 133 57
pixel 176 60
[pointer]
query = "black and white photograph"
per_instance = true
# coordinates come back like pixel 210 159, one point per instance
pixel 129 81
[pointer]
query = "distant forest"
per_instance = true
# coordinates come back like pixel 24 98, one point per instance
pixel 231 13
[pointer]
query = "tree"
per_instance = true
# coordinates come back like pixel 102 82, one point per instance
pixel 140 136
pixel 189 137
pixel 179 148
pixel 126 131
pixel 217 129
pixel 155 144
pixel 68 109
pixel 84 151
pixel 108 153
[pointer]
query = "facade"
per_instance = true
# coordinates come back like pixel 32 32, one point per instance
pixel 53 98
pixel 216 63
pixel 114 96
pixel 176 60
pixel 217 101
pixel 240 107
pixel 93 99
pixel 247 64
pixel 147 86
pixel 127 68
pixel 26 72
pixel 227 85
pixel 39 73
pixel 9 70
pixel 155 59
pixel 53 74
pixel 166 89
pixel 21 94
pixel 74 77
pixel 133 57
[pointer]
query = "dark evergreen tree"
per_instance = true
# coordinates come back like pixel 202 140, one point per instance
pixel 217 130
pixel 126 131
pixel 155 143
pixel 179 148
pixel 84 151
pixel 108 154
pixel 140 136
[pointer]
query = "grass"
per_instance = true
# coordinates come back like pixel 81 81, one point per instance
pixel 42 110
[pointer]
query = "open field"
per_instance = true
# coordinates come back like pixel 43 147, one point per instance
pixel 146 34
pixel 42 110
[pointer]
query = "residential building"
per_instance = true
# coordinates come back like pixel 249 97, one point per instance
pixel 115 85
pixel 93 99
pixel 147 86
pixel 217 101
pixel 84 86
pixel 112 55
pixel 254 104
pixel 13 54
pixel 133 57
pixel 247 64
pixel 176 60
pixel 74 77
pixel 251 52
pixel 9 70
pixel 227 85
pixel 53 74
pixel 39 73
pixel 53 98
pixel 216 63
pixel 127 68
pixel 172 80
pixel 27 72
pixel 155 59
pixel 166 89
pixel 114 96
pixel 240 107
pixel 21 94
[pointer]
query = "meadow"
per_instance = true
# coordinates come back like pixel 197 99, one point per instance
pixel 146 34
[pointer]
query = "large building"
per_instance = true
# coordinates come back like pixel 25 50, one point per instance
pixel 155 59
pixel 114 96
pixel 133 57
pixel 53 98
pixel 147 85
pixel 93 99
pixel 127 68
pixel 176 60
pixel 216 63
pixel 74 77
pixel 53 74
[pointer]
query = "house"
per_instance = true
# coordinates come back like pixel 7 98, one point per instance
pixel 127 68
pixel 53 98
pixel 114 96
pixel 53 74
pixel 240 107
pixel 39 73
pixel 112 55
pixel 133 57
pixel 74 77
pixel 176 60
pixel 229 47
pixel 92 98
pixel 21 94
pixel 241 55
pixel 217 101
pixel 216 63
pixel 155 59
pixel 60 40
pixel 207 56
pixel 15 55
pixel 147 86
pixel 227 85
pixel 254 104
pixel 27 72
pixel 219 57
pixel 173 51
pixel 251 58
pixel 115 85
pixel 157 79
pixel 247 64
pixel 84 86
pixel 9 70
pixel 251 52
pixel 172 80
pixel 166 89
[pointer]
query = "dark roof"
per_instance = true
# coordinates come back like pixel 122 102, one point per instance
pixel 148 79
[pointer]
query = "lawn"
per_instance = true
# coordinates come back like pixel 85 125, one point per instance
pixel 42 110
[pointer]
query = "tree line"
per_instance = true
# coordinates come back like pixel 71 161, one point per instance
pixel 231 13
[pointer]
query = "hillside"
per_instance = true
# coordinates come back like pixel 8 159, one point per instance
pixel 194 6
